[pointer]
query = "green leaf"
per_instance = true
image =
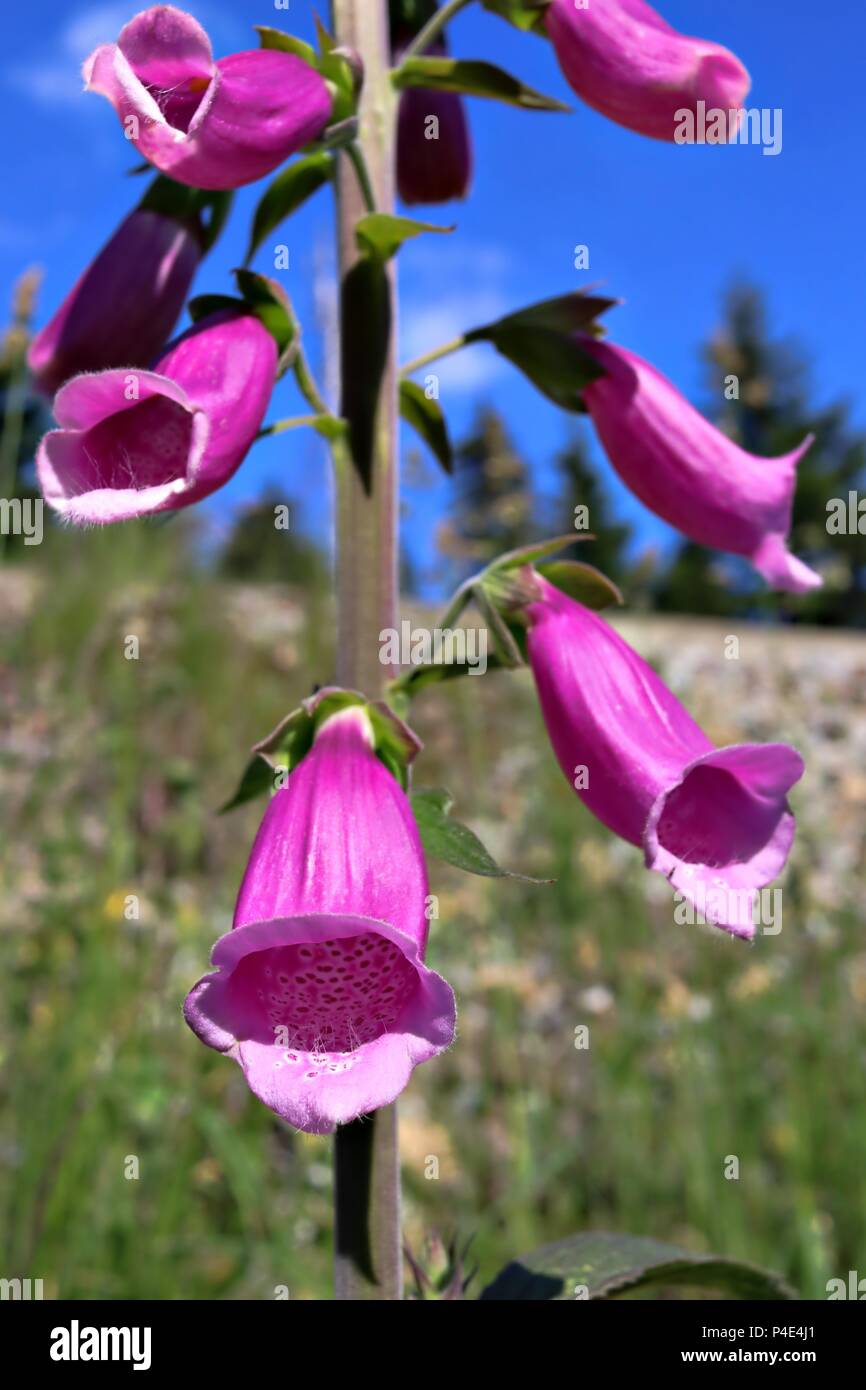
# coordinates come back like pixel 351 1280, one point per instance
pixel 289 190
pixel 474 78
pixel 582 582
pixel 523 14
pixel 426 418
pixel 286 43
pixel 447 839
pixel 257 779
pixel 380 234
pixel 607 1265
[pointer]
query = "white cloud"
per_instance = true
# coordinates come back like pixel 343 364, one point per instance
pixel 445 289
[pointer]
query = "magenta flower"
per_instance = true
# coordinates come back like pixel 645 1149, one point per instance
pixel 209 124
pixel 432 169
pixel 321 993
pixel 124 306
pixel 132 442
pixel 434 153
pixel 714 821
pixel 689 473
pixel 624 60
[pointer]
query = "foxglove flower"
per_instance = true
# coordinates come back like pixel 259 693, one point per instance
pixel 213 125
pixel 432 168
pixel 624 60
pixel 124 306
pixel 321 993
pixel 714 821
pixel 434 154
pixel 689 473
pixel 132 442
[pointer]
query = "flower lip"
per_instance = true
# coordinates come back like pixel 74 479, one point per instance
pixel 724 826
pixel 167 55
pixel 107 437
pixel 327 1014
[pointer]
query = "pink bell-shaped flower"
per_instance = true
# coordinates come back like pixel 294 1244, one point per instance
pixel 122 309
pixel 321 993
pixel 714 821
pixel 689 473
pixel 210 124
pixel 624 60
pixel 132 442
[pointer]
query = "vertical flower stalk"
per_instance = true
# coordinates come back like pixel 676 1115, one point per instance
pixel 366 1161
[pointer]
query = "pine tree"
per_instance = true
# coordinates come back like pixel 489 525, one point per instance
pixel 583 486
pixel 494 505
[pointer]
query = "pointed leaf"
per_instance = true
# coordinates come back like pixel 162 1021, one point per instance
pixel 286 43
pixel 292 187
pixel 447 839
pixel 426 418
pixel 523 14
pixel 380 234
pixel 474 78
pixel 600 1266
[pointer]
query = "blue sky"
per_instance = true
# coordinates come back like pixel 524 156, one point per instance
pixel 668 227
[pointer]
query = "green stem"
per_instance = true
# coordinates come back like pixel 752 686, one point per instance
pixel 367 1246
pixel 292 422
pixel 307 384
pixel 434 355
pixel 434 26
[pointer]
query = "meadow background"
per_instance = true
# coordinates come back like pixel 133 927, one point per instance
pixel 701 1047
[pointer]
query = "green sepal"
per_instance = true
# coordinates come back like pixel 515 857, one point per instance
pixel 582 582
pixel 204 304
pixel 266 298
pixel 283 748
pixel 206 211
pixel 336 66
pixel 540 341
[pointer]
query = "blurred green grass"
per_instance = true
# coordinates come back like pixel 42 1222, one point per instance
pixel 111 771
